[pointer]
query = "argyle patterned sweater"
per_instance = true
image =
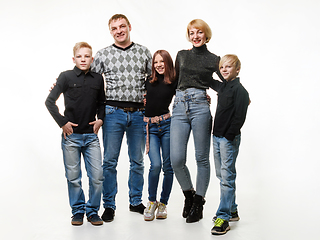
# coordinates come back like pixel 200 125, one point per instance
pixel 124 70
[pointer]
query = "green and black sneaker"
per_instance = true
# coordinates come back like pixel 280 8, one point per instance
pixel 220 227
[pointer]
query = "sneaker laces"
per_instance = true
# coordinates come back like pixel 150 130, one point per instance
pixel 218 222
pixel 161 207
pixel 150 204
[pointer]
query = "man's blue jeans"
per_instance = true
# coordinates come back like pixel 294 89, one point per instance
pixel 191 111
pixel 159 140
pixel 225 154
pixel 116 123
pixel 72 147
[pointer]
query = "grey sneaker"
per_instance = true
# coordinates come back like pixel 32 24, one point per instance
pixel 161 211
pixel 149 211
pixel 234 217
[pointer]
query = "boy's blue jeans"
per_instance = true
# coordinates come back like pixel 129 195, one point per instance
pixel 72 147
pixel 115 124
pixel 225 154
pixel 191 111
pixel 159 140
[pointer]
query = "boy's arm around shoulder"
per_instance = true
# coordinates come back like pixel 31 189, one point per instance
pixel 97 64
pixel 53 96
pixel 241 103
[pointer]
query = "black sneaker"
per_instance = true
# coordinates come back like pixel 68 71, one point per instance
pixel 220 227
pixel 234 217
pixel 77 219
pixel 139 208
pixel 108 215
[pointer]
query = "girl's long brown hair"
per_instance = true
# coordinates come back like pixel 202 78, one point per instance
pixel 169 73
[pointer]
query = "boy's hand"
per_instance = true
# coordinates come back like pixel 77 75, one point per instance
pixel 96 125
pixel 208 99
pixel 144 99
pixel 53 85
pixel 67 129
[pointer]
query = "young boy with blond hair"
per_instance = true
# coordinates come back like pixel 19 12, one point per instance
pixel 84 99
pixel 233 101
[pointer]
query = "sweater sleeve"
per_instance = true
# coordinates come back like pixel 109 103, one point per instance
pixel 53 96
pixel 241 100
pixel 177 69
pixel 101 102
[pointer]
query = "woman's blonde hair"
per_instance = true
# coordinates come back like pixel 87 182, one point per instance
pixel 202 25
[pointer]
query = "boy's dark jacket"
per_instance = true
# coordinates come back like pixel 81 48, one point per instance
pixel 233 101
pixel 84 99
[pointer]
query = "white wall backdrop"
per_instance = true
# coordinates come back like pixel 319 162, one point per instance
pixel 278 42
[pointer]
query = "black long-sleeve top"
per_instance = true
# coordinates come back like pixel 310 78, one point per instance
pixel 84 99
pixel 233 101
pixel 159 96
pixel 194 68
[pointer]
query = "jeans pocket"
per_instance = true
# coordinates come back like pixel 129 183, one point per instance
pixel 109 109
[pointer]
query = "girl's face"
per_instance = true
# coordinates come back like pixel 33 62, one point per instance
pixel 159 64
pixel 197 37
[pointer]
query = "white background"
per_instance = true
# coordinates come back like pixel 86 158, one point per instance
pixel 278 43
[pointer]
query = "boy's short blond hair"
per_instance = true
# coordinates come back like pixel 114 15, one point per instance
pixel 232 58
pixel 202 25
pixel 80 45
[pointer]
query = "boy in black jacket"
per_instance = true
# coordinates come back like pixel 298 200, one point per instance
pixel 233 101
pixel 84 99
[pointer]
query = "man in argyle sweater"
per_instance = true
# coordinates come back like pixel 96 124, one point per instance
pixel 125 66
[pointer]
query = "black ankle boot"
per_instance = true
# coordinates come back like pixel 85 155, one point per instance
pixel 196 210
pixel 187 202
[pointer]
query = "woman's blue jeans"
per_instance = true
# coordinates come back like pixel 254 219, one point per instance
pixel 191 111
pixel 159 140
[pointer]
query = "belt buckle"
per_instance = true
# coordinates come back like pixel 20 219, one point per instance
pixel 129 109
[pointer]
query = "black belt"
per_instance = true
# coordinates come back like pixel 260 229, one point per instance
pixel 131 109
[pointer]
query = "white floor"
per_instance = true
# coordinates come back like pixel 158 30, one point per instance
pixel 35 204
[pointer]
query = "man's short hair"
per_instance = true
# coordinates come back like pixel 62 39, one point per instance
pixel 118 16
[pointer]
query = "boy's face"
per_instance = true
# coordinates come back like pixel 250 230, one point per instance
pixel 228 71
pixel 120 31
pixel 83 58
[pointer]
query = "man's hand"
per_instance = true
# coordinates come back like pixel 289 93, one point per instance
pixel 96 125
pixel 67 129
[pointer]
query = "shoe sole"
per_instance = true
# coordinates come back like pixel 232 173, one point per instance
pixel 161 217
pixel 136 211
pixel 148 219
pixel 220 233
pixel 108 220
pixel 96 223
pixel 76 223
